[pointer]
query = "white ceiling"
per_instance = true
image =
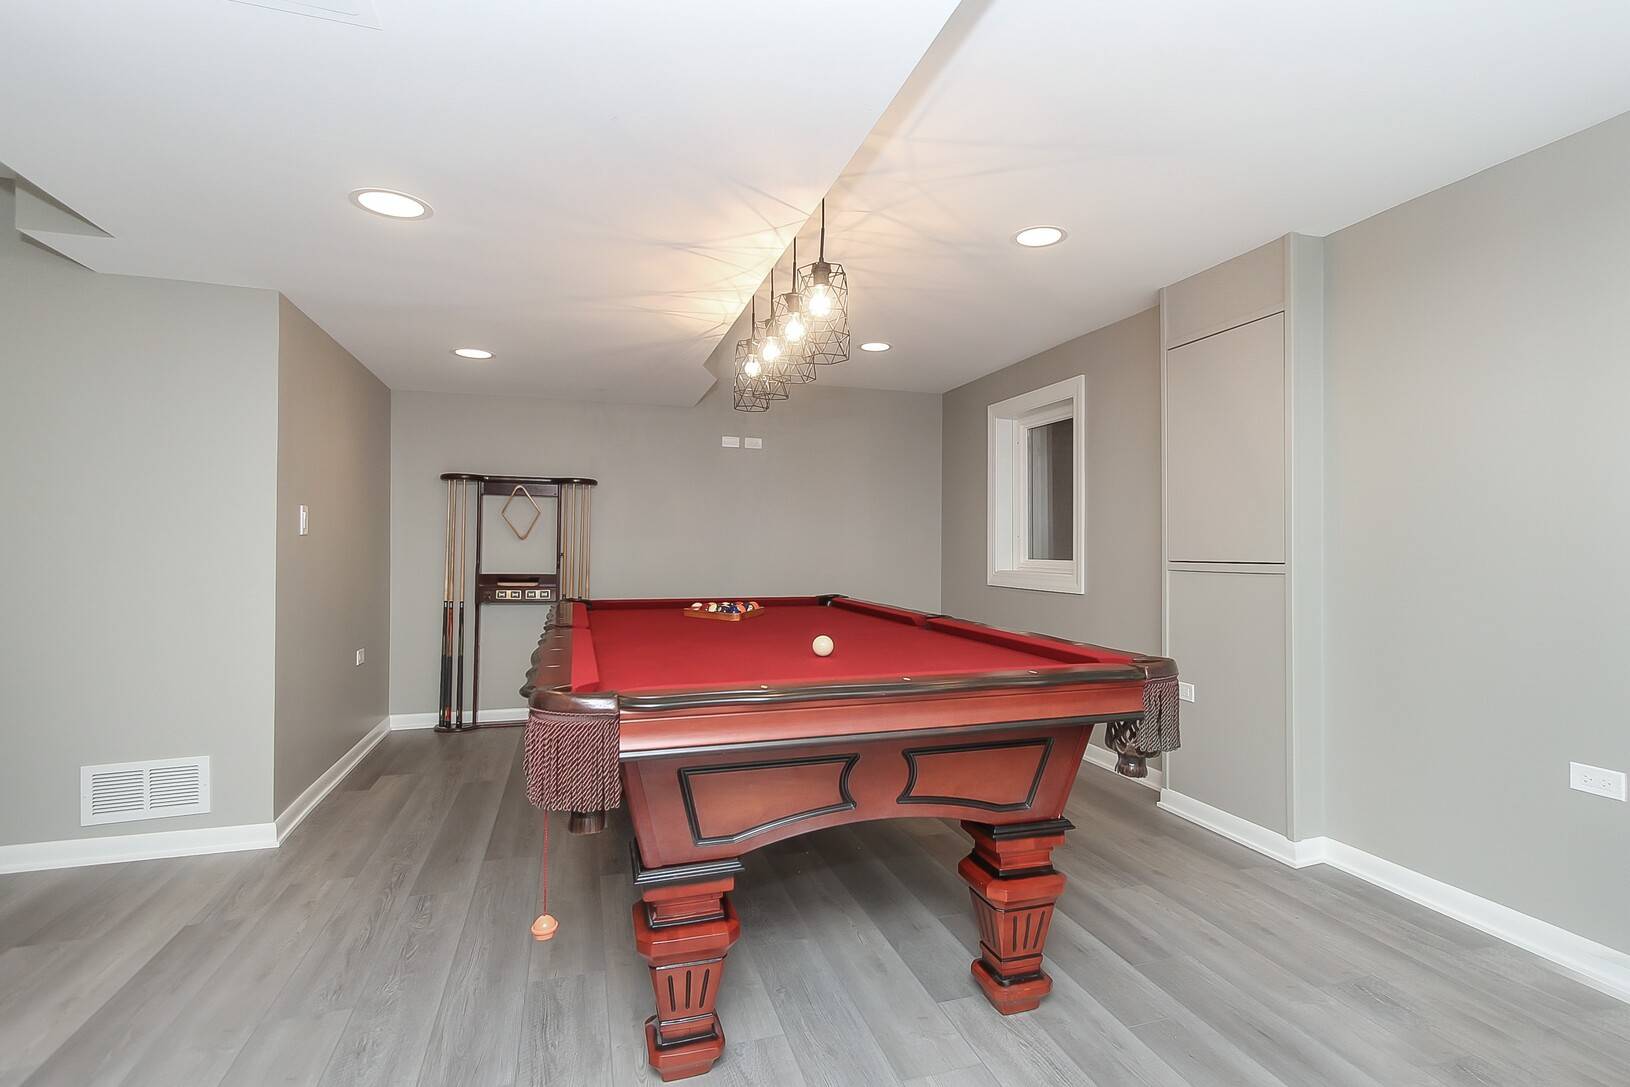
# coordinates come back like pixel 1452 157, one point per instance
pixel 610 179
pixel 1169 135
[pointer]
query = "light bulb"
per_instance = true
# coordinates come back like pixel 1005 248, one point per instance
pixel 795 327
pixel 771 350
pixel 820 300
pixel 752 367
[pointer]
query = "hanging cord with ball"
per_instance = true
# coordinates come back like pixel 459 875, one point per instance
pixel 545 926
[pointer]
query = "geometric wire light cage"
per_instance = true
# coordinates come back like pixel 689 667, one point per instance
pixel 791 328
pixel 757 383
pixel 823 288
pixel 783 362
pixel 746 394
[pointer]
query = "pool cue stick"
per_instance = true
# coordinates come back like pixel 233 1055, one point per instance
pixel 445 703
pixel 463 520
pixel 475 655
pixel 563 539
pixel 568 514
pixel 561 566
pixel 568 547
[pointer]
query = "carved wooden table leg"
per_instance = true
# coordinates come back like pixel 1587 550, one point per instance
pixel 1014 887
pixel 684 931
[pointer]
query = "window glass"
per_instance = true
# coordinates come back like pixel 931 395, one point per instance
pixel 1049 450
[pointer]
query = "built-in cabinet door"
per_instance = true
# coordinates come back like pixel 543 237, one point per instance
pixel 1227 634
pixel 1225 446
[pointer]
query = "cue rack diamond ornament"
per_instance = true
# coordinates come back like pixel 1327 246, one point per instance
pixel 569 580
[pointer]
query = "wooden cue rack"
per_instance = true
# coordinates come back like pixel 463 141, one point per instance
pixel 467 495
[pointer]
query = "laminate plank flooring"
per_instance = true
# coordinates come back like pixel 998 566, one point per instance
pixel 386 943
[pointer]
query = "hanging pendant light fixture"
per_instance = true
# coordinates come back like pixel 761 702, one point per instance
pixel 791 330
pixel 794 325
pixel 771 381
pixel 746 396
pixel 770 347
pixel 756 382
pixel 823 289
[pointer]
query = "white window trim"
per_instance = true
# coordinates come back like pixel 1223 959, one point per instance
pixel 1008 483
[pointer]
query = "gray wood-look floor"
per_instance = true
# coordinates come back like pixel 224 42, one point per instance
pixel 386 943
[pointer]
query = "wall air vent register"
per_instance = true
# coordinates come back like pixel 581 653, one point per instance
pixel 119 792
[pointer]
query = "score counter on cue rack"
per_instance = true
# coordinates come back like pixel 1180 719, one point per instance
pixel 516 589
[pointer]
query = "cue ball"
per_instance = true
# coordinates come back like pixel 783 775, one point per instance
pixel 822 645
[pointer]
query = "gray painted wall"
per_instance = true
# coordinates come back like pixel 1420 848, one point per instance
pixel 138 457
pixel 1121 607
pixel 1478 507
pixel 844 497
pixel 333 585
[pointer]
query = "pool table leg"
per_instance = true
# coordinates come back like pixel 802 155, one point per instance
pixel 1013 885
pixel 684 932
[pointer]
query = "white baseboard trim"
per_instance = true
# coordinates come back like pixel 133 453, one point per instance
pixel 293 815
pixel 1246 833
pixel 1597 965
pixel 116 848
pixel 1102 756
pixel 1601 967
pixel 401 722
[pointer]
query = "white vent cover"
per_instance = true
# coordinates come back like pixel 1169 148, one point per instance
pixel 118 792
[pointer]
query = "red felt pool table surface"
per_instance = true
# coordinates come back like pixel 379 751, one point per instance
pixel 653 645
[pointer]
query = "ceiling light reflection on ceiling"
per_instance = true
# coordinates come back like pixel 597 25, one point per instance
pixel 875 345
pixel 471 353
pixel 391 204
pixel 1035 237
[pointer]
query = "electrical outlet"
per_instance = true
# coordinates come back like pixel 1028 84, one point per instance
pixel 305 522
pixel 362 655
pixel 730 441
pixel 1185 691
pixel 1594 779
pixel 754 443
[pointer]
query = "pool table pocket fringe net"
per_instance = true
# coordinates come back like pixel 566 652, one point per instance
pixel 999 771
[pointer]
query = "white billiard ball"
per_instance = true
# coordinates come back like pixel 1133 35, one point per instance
pixel 822 645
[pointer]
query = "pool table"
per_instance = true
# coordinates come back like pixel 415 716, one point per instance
pixel 722 737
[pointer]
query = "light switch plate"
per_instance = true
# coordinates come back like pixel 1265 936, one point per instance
pixel 754 443
pixel 305 522
pixel 1594 779
pixel 362 655
pixel 1185 691
pixel 730 441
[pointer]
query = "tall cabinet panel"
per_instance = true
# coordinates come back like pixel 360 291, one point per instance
pixel 1225 402
pixel 1226 635
pixel 1242 388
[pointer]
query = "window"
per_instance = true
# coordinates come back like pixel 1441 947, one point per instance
pixel 1038 489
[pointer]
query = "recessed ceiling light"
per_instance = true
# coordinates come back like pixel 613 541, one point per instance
pixel 1034 237
pixel 875 345
pixel 471 353
pixel 391 204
